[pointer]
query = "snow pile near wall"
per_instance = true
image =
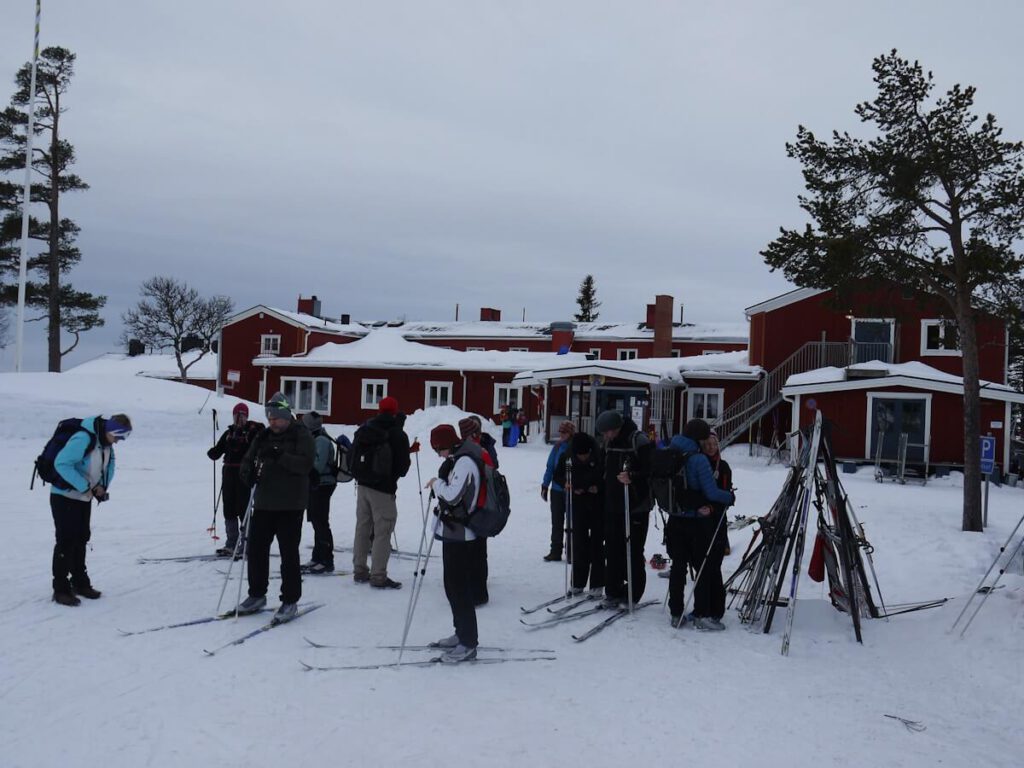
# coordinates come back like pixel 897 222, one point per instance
pixel 155 366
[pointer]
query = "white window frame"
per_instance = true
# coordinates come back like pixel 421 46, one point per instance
pixel 892 329
pixel 719 391
pixel 596 352
pixel 928 352
pixel 868 426
pixel 317 382
pixel 441 386
pixel 518 349
pixel 676 353
pixel 264 338
pixel 364 404
pixel 499 388
pixel 627 353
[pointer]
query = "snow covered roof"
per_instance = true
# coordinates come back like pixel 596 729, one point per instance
pixel 387 348
pixel 155 366
pixel 311 322
pixel 791 297
pixel 876 373
pixel 652 370
pixel 731 332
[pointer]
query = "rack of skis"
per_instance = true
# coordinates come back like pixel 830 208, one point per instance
pixel 775 554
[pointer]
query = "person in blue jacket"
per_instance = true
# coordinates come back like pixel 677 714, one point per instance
pixel 86 463
pixel 690 531
pixel 550 490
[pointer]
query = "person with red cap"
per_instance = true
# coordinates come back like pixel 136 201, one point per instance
pixel 232 446
pixel 457 489
pixel 471 428
pixel 380 456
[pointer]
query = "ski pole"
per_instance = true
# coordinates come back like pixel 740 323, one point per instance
pixel 417 581
pixel 568 523
pixel 419 483
pixel 629 547
pixel 216 498
pixel 239 542
pixel 1002 549
pixel 212 530
pixel 992 588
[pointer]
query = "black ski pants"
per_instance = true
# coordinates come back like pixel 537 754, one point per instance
pixel 557 502
pixel 615 549
pixel 71 529
pixel 236 493
pixel 458 558
pixel 587 541
pixel 479 571
pixel 689 542
pixel 319 515
pixel 264 525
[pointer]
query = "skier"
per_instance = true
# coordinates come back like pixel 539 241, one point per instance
pixel 380 456
pixel 627 465
pixel 323 479
pixel 86 463
pixel 504 418
pixel 722 473
pixel 470 428
pixel 586 481
pixel 690 530
pixel 457 488
pixel 232 446
pixel 523 423
pixel 278 463
pixel 553 492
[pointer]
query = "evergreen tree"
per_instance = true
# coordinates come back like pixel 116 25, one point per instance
pixel 65 308
pixel 933 201
pixel 172 315
pixel 587 301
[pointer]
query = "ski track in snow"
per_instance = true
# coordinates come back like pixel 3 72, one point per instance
pixel 73 692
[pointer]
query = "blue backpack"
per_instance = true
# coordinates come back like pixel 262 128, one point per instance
pixel 45 466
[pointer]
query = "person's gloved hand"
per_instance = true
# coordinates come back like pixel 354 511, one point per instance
pixel 415 447
pixel 544 492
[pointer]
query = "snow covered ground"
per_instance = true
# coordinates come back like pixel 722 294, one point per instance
pixel 75 693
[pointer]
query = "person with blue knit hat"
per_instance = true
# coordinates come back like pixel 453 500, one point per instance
pixel 85 466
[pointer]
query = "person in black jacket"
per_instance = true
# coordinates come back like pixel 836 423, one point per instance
pixel 583 481
pixel 232 446
pixel 278 464
pixel 380 456
pixel 626 470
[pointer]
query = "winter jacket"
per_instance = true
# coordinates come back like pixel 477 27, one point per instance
pixel 699 475
pixel 556 458
pixel 585 475
pixel 489 445
pixel 400 455
pixel 457 489
pixel 234 443
pixel 633 446
pixel 284 460
pixel 81 469
pixel 323 474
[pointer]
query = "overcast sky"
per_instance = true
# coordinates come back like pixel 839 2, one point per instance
pixel 399 158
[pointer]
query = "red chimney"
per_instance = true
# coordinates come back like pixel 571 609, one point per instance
pixel 662 325
pixel 310 306
pixel 490 315
pixel 562 335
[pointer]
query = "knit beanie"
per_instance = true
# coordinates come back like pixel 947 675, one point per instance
pixel 278 407
pixel 240 408
pixel 697 430
pixel 608 420
pixel 469 427
pixel 582 443
pixel 443 437
pixel 388 405
pixel 567 428
pixel 313 421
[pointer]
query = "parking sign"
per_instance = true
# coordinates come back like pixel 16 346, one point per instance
pixel 988 455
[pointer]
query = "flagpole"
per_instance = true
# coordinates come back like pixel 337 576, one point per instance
pixel 26 199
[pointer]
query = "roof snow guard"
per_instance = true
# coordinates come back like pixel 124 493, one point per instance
pixel 876 374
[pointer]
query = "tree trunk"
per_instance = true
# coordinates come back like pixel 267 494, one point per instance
pixel 972 412
pixel 53 329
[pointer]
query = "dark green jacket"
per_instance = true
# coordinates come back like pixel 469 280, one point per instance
pixel 284 462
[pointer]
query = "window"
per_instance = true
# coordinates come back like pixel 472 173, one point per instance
pixel 270 344
pixel 374 390
pixel 705 404
pixel 507 394
pixel 627 354
pixel 939 337
pixel 518 349
pixel 712 351
pixel 474 349
pixel 874 338
pixel 307 395
pixel 596 352
pixel 437 393
pixel 676 353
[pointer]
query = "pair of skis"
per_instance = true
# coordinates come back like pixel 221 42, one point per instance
pixel 503 655
pixel 568 613
pixel 275 622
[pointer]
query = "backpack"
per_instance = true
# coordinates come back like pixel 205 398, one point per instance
pixel 669 484
pixel 492 506
pixel 343 459
pixel 44 466
pixel 371 462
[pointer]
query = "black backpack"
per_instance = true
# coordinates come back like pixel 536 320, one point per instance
pixel 45 461
pixel 669 484
pixel 343 459
pixel 371 462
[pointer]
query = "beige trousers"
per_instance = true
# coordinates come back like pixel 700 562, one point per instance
pixel 376 515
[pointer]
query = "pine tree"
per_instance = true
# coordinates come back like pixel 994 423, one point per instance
pixel 65 308
pixel 934 201
pixel 587 301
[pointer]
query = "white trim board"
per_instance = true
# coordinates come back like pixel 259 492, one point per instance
pixel 770 305
pixel 901 381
